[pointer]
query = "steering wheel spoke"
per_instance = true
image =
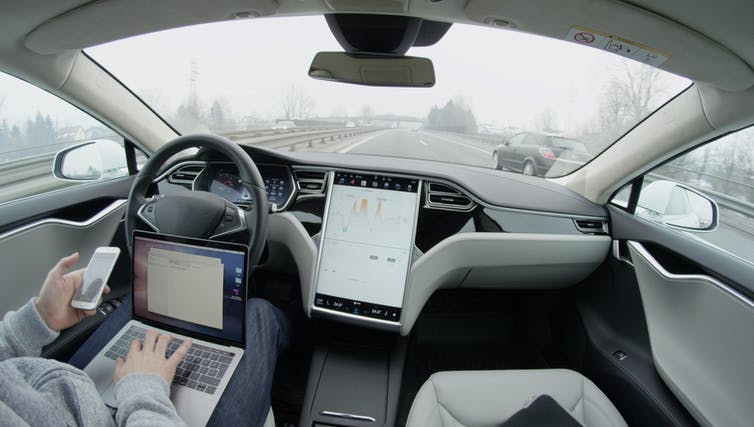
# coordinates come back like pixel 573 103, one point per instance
pixel 147 215
pixel 232 222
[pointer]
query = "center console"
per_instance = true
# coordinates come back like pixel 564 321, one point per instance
pixel 366 247
pixel 354 380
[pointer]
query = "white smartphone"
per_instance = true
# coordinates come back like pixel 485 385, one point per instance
pixel 95 277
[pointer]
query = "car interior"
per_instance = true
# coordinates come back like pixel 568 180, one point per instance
pixel 421 291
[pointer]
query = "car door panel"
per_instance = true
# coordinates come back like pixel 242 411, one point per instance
pixel 31 250
pixel 36 232
pixel 694 322
pixel 616 350
pixel 697 301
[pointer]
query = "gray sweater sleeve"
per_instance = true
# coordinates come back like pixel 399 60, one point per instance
pixel 24 333
pixel 144 399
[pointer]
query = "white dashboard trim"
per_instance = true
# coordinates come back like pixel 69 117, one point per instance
pixel 490 260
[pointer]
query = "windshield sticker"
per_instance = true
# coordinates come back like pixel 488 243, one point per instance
pixel 618 45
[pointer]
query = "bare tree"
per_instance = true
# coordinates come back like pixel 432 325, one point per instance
pixel 547 120
pixel 630 96
pixel 221 115
pixel 297 104
pixel 367 112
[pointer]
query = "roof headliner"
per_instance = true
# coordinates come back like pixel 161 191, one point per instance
pixel 708 44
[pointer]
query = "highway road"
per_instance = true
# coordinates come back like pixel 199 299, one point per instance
pixel 424 145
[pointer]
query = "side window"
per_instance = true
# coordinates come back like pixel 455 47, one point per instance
pixel 533 139
pixel 683 193
pixel 35 126
pixel 516 140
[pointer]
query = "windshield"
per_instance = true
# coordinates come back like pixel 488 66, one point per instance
pixel 247 80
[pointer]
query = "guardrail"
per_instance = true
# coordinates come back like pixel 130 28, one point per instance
pixel 33 174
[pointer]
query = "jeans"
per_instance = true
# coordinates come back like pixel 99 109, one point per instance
pixel 246 400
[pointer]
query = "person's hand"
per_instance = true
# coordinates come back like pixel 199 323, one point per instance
pixel 54 301
pixel 150 357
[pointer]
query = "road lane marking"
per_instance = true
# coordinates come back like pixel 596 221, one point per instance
pixel 463 145
pixel 423 143
pixel 363 141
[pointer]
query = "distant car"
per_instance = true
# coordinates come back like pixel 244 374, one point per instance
pixel 532 153
pixel 284 124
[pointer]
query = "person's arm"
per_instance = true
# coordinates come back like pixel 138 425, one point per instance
pixel 142 382
pixel 24 332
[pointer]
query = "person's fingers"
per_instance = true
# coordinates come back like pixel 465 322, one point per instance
pixel 134 348
pixel 75 278
pixel 179 353
pixel 162 344
pixel 88 313
pixel 107 290
pixel 66 263
pixel 118 366
pixel 149 340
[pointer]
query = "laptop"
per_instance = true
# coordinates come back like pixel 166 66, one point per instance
pixel 188 288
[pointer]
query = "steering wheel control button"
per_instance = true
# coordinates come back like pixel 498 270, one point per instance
pixel 232 221
pixel 147 214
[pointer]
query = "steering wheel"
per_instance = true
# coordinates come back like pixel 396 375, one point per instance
pixel 200 214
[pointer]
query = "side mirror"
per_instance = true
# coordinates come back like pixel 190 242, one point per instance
pixel 90 161
pixel 678 206
pixel 507 143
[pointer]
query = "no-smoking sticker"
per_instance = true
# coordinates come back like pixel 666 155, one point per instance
pixel 617 45
pixel 584 37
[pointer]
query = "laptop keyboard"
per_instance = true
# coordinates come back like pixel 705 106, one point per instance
pixel 201 369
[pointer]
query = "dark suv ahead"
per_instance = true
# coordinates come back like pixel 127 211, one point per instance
pixel 532 153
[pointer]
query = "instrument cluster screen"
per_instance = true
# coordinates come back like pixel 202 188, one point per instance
pixel 277 182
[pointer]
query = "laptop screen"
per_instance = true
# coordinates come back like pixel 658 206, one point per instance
pixel 196 286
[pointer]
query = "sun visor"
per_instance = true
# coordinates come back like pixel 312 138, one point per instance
pixel 622 29
pixel 107 20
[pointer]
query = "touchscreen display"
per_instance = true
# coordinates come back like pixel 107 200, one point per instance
pixel 366 249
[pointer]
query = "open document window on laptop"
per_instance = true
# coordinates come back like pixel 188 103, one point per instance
pixel 184 286
pixel 187 287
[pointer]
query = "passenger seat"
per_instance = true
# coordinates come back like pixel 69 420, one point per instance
pixel 489 398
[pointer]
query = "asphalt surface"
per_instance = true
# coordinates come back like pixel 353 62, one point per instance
pixel 425 145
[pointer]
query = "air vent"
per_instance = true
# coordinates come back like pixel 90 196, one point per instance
pixel 441 188
pixel 310 174
pixel 185 175
pixel 445 197
pixel 310 181
pixel 591 226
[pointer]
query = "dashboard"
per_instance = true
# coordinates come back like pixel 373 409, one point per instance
pixel 371 238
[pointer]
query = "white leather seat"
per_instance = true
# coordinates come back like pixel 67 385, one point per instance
pixel 488 398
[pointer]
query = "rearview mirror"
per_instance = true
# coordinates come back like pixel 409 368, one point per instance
pixel 373 69
pixel 677 205
pixel 90 161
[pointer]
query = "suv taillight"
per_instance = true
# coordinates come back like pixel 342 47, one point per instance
pixel 546 153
